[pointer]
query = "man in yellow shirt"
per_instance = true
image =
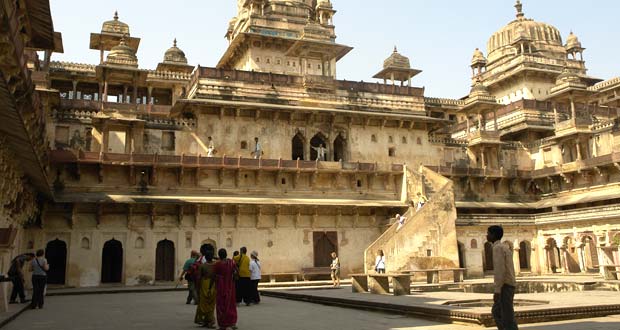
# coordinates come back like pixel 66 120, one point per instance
pixel 244 282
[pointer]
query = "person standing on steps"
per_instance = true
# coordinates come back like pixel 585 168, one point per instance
pixel 380 263
pixel 335 270
pixel 504 280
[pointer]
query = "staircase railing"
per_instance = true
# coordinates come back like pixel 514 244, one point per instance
pixel 430 228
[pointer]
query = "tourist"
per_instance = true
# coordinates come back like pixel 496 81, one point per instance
pixel 206 303
pixel 210 147
pixel 243 264
pixel 258 149
pixel 421 201
pixel 401 221
pixel 380 263
pixel 185 274
pixel 16 274
pixel 321 151
pixel 226 307
pixel 335 270
pixel 255 276
pixel 39 279
pixel 504 279
pixel 235 258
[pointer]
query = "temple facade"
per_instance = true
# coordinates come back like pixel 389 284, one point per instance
pixel 119 171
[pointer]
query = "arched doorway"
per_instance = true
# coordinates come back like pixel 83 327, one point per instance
pixel 590 254
pixel 461 250
pixel 324 244
pixel 525 249
pixel 298 147
pixel 56 254
pixel 210 241
pixel 112 262
pixel 164 261
pixel 340 149
pixel 317 141
pixel 488 256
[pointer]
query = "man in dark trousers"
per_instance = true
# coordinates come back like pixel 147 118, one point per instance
pixel 16 274
pixel 504 279
pixel 243 263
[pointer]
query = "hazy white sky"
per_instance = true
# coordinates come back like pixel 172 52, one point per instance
pixel 439 36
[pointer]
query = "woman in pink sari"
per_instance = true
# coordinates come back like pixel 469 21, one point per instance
pixel 226 305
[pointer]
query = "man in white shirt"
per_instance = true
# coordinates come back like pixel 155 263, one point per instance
pixel 321 151
pixel 504 279
pixel 255 276
pixel 210 147
pixel 258 149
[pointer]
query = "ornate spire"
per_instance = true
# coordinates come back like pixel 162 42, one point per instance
pixel 116 15
pixel 174 43
pixel 395 49
pixel 519 7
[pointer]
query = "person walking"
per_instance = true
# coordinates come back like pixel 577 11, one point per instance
pixel 243 263
pixel 255 276
pixel 205 311
pixel 504 280
pixel 39 278
pixel 335 270
pixel 258 149
pixel 421 201
pixel 380 263
pixel 16 274
pixel 186 275
pixel 225 302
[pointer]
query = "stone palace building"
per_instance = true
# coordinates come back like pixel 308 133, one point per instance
pixel 119 171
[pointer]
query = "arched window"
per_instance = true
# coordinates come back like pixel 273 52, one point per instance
pixel 297 147
pixel 474 244
pixel 139 243
pixel 85 243
pixel 524 254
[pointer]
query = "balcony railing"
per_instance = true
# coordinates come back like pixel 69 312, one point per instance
pixel 69 156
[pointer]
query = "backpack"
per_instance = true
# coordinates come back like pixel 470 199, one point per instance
pixel 193 273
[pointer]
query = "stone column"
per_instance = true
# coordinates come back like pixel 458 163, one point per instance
pixel 495 120
pixel 515 259
pixel 125 88
pixel 75 83
pixel 578 147
pixel 105 91
pixel 555 113
pixel 479 122
pixel 573 112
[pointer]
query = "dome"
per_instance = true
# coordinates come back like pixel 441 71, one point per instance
pixel 397 61
pixel 544 37
pixel 115 26
pixel 175 55
pixel 572 42
pixel 324 4
pixel 122 55
pixel 478 89
pixel 478 57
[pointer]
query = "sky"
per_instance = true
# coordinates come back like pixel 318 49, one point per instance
pixel 439 36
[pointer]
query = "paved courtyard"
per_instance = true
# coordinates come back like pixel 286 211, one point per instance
pixel 166 310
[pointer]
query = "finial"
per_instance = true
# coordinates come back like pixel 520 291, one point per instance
pixel 116 15
pixel 174 44
pixel 395 49
pixel 519 7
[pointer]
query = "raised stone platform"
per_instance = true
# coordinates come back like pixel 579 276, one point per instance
pixel 568 302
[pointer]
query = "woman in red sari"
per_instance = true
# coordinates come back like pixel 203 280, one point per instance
pixel 226 304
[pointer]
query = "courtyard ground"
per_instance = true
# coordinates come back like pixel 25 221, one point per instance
pixel 167 310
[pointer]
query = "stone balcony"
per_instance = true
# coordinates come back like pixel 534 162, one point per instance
pixel 484 137
pixel 94 105
pixel 573 126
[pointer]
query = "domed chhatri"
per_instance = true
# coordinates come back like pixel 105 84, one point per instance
pixel 122 55
pixel 115 26
pixel 174 55
pixel 478 57
pixel 572 42
pixel 397 61
pixel 542 36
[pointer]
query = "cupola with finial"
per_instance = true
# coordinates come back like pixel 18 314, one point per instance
pixel 478 62
pixel 397 68
pixel 122 55
pixel 573 47
pixel 112 32
pixel 174 60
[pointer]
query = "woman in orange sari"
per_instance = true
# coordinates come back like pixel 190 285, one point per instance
pixel 226 304
pixel 206 289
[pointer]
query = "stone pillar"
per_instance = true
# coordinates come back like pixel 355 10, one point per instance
pixel 515 258
pixel 149 94
pixel 482 158
pixel 555 113
pixel 479 122
pixel 581 257
pixel 495 120
pixel 124 97
pixel 105 91
pixel 573 112
pixel 578 147
pixel 75 83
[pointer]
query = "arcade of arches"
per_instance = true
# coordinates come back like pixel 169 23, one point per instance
pixel 302 150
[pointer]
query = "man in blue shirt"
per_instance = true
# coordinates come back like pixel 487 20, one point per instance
pixel 190 281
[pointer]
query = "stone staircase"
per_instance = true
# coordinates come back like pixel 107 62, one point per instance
pixel 428 237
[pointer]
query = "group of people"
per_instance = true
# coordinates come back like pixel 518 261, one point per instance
pixel 256 153
pixel 217 284
pixel 39 268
